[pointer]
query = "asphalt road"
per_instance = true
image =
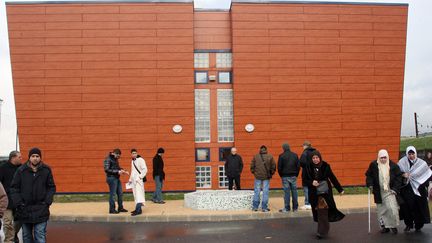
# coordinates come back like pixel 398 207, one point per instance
pixel 352 229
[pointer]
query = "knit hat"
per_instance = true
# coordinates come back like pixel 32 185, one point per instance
pixel 35 151
pixel 160 151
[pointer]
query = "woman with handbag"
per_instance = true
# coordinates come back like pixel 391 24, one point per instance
pixel 136 179
pixel 384 178
pixel 319 178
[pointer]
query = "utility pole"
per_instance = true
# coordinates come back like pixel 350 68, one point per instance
pixel 415 121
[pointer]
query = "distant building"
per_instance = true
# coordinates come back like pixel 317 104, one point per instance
pixel 89 77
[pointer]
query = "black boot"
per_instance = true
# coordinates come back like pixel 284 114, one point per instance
pixel 385 230
pixel 394 230
pixel 408 228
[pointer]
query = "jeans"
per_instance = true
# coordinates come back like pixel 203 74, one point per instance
pixel 157 194
pixel 115 187
pixel 256 198
pixel 39 231
pixel 306 195
pixel 138 208
pixel 231 181
pixel 290 185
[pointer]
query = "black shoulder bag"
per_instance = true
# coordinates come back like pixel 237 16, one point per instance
pixel 145 177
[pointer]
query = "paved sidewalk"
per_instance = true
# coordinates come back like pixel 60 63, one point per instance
pixel 175 211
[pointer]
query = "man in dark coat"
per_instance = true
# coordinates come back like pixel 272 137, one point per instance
pixel 113 171
pixel 233 169
pixel 323 206
pixel 158 176
pixel 262 167
pixel 32 192
pixel 305 160
pixel 288 169
pixel 11 226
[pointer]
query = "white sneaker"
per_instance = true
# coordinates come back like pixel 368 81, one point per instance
pixel 306 207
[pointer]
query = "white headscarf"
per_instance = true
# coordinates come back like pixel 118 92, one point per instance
pixel 419 172
pixel 384 168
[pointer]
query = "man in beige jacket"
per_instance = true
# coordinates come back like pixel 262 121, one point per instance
pixel 3 202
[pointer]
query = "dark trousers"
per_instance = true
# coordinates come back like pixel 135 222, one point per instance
pixel 115 188
pixel 231 181
pixel 323 220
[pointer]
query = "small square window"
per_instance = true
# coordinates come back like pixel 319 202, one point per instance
pixel 202 154
pixel 224 77
pixel 223 153
pixel 201 77
pixel 223 60
pixel 201 60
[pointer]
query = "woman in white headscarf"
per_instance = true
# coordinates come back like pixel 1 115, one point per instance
pixel 384 178
pixel 415 210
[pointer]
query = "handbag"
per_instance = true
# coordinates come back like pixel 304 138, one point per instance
pixel 322 188
pixel 145 177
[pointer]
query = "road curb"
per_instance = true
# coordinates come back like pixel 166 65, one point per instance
pixel 229 216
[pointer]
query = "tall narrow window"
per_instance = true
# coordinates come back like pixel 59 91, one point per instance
pixel 223 60
pixel 223 179
pixel 225 115
pixel 201 60
pixel 203 176
pixel 202 115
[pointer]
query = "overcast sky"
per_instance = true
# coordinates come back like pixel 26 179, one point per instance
pixel 418 69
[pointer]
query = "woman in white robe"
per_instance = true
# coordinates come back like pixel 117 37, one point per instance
pixel 138 172
pixel 384 178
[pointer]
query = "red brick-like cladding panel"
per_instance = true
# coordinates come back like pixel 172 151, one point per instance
pixel 89 78
pixel 329 73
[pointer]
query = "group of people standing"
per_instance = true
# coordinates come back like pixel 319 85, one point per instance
pixel 137 179
pixel 28 191
pixel 400 190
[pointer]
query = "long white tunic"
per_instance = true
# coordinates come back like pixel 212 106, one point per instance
pixel 136 177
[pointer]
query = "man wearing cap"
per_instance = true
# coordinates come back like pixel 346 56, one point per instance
pixel 113 171
pixel 11 226
pixel 32 193
pixel 158 176
pixel 305 160
pixel 415 209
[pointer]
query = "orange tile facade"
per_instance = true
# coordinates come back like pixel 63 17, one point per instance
pixel 92 77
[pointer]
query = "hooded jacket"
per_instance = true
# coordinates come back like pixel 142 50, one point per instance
pixel 263 165
pixel 288 163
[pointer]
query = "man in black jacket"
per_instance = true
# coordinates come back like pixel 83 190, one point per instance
pixel 233 169
pixel 11 227
pixel 32 192
pixel 113 171
pixel 305 159
pixel 158 176
pixel 288 169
